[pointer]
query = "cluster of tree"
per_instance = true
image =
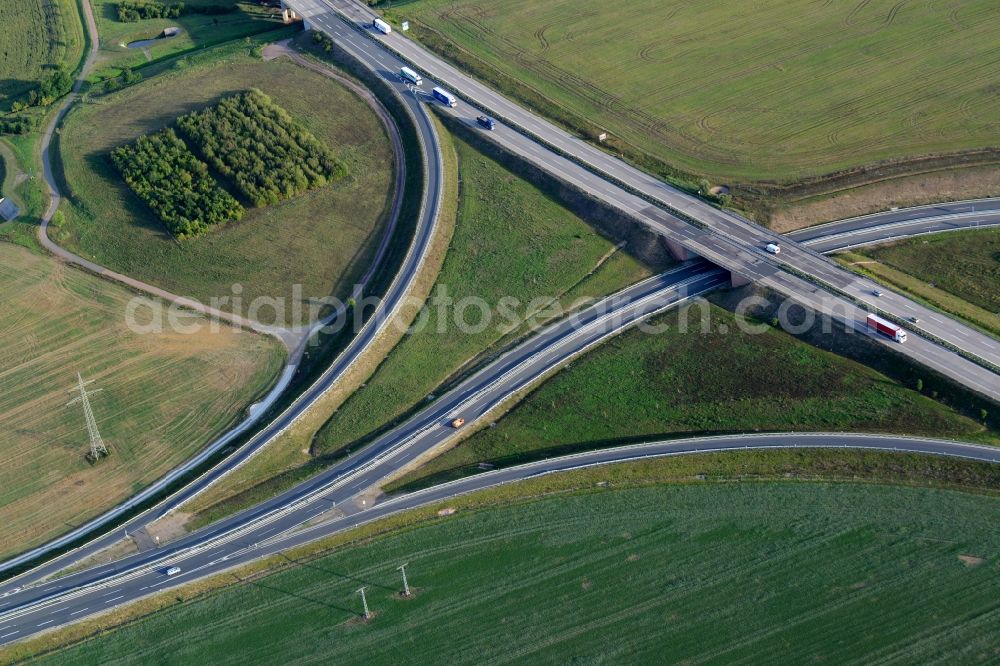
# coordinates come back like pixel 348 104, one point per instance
pixel 167 176
pixel 255 143
pixel 130 11
pixel 325 42
pixel 51 88
pixel 16 125
pixel 128 77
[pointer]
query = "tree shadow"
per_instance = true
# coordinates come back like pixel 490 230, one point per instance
pixel 100 165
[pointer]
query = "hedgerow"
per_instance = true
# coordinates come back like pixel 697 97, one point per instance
pixel 130 11
pixel 167 176
pixel 256 143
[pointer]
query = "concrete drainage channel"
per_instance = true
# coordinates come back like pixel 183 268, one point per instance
pixel 167 33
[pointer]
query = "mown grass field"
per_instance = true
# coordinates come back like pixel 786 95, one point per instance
pixel 509 239
pixel 322 240
pixel 755 572
pixel 163 396
pixel 36 35
pixel 198 30
pixel 745 91
pixel 641 386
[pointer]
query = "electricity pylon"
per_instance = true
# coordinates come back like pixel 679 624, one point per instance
pixel 97 448
pixel 364 601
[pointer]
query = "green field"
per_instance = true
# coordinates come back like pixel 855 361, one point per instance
pixel 717 573
pixel 197 30
pixel 163 397
pixel 323 239
pixel 641 386
pixel 742 91
pixel 36 35
pixel 510 239
pixel 964 263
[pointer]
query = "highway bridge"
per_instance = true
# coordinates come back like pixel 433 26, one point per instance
pixel 695 227
pixel 692 226
pixel 275 524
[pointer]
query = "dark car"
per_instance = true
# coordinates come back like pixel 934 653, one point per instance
pixel 486 122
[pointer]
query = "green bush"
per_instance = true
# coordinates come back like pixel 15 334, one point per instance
pixel 175 184
pixel 254 142
pixel 16 125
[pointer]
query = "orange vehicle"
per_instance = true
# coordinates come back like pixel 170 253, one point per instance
pixel 458 423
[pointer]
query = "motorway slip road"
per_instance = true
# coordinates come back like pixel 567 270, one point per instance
pixel 726 239
pixel 82 595
pixel 894 225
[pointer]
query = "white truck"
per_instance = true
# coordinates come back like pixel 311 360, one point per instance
pixel 411 76
pixel 445 97
pixel 382 26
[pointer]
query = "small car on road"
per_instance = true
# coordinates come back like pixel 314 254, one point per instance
pixel 457 423
pixel 173 571
pixel 877 293
pixel 486 122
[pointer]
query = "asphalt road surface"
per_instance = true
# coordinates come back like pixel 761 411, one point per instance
pixel 89 593
pixel 902 223
pixel 837 235
pixel 250 534
pixel 393 298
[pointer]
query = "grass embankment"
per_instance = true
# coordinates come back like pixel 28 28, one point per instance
pixel 197 31
pixel 640 386
pixel 959 272
pixel 750 93
pixel 163 395
pixel 725 572
pixel 322 240
pixel 36 36
pixel 510 239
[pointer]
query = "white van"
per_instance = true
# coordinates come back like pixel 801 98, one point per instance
pixel 773 248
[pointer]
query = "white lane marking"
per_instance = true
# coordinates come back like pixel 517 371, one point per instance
pixel 78 612
pixel 10 634
pixel 143 588
pixel 114 599
pixel 112 592
pixel 42 624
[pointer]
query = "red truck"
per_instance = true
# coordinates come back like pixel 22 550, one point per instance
pixel 886 328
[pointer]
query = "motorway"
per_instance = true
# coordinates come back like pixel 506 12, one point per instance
pixel 382 316
pixel 473 398
pixel 252 533
pixel 724 238
pixel 824 238
pixel 268 527
pixel 50 607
